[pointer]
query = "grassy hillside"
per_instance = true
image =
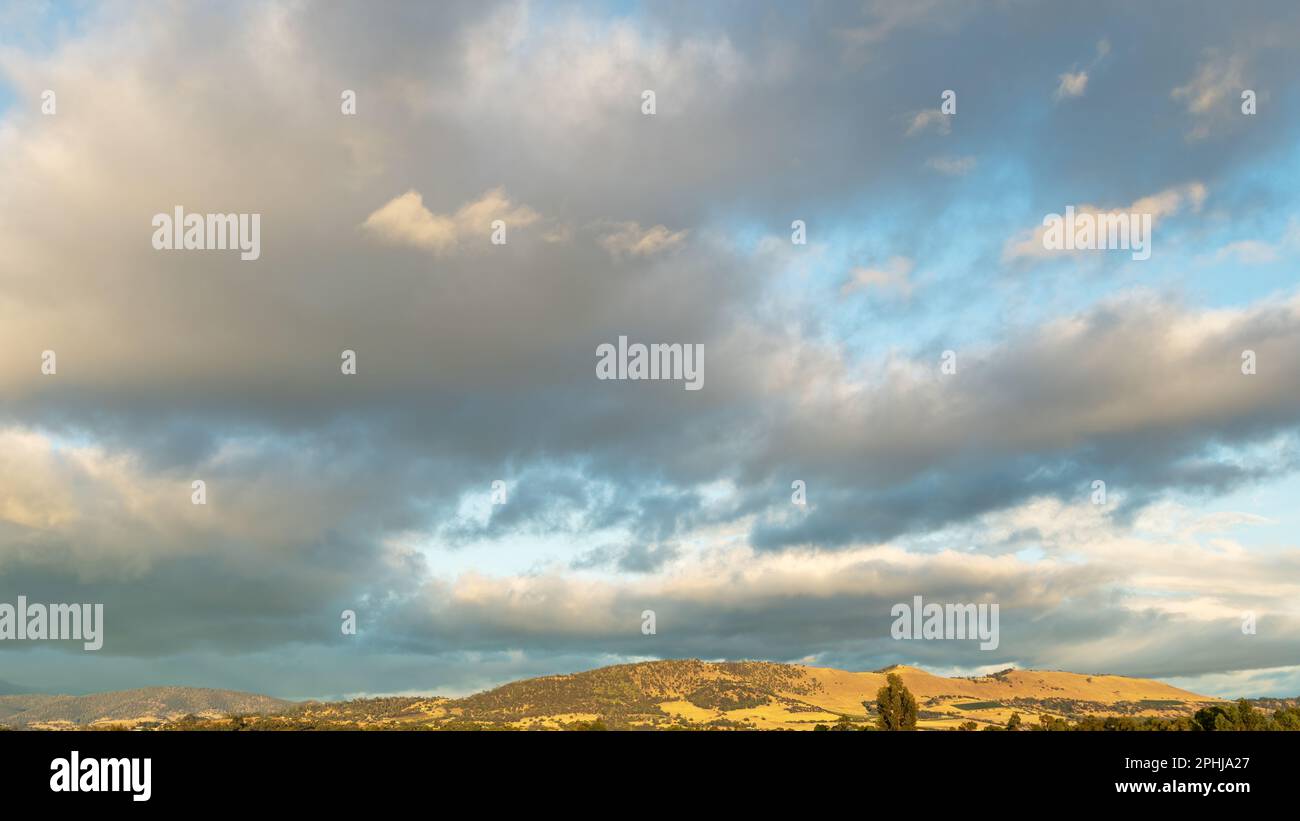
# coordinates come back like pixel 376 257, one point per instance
pixel 129 707
pixel 686 694
pixel 759 695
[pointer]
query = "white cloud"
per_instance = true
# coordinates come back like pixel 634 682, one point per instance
pixel 1171 201
pixel 1072 84
pixel 404 220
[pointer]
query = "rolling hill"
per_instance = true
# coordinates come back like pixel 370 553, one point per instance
pixel 759 695
pixel 129 708
pixel 686 694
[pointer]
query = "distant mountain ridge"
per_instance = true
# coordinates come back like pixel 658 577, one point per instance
pixel 692 694
pixel 130 707
pixel 675 694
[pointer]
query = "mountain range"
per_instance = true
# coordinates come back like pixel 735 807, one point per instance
pixel 685 694
pixel 129 708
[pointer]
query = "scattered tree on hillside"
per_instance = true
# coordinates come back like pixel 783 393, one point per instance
pixel 895 704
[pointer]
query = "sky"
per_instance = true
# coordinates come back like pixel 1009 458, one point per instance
pixel 476 362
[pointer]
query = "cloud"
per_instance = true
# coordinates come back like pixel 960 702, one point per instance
pixel 931 118
pixel 1166 203
pixel 1258 251
pixel 1072 84
pixel 1038 423
pixel 892 277
pixel 1212 95
pixel 630 239
pixel 880 19
pixel 1177 587
pixel 405 221
pixel 1248 251
pixel 952 166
